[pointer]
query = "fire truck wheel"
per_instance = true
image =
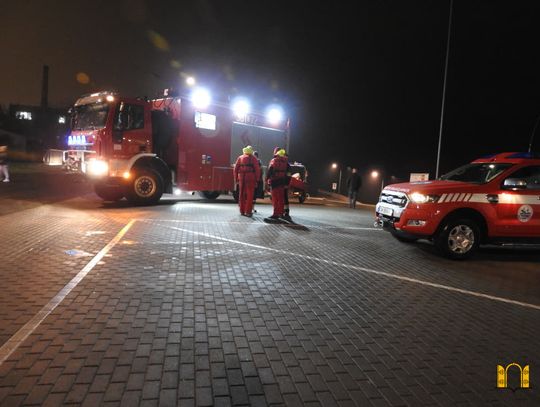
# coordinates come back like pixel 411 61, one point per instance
pixel 146 187
pixel 235 195
pixel 302 198
pixel 458 238
pixel 108 193
pixel 210 194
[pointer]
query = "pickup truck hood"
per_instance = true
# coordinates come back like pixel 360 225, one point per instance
pixel 432 187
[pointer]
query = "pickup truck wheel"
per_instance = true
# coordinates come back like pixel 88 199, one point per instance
pixel 404 239
pixel 109 193
pixel 146 187
pixel 458 238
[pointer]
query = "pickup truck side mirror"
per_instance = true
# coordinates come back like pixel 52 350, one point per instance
pixel 514 183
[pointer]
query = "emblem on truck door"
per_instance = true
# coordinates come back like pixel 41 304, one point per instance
pixel 525 213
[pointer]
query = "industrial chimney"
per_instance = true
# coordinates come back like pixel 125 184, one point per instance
pixel 45 87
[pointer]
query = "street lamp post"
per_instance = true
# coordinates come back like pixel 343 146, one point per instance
pixel 334 166
pixel 532 134
pixel 375 174
pixel 444 88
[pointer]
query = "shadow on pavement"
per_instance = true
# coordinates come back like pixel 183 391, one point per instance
pixel 489 253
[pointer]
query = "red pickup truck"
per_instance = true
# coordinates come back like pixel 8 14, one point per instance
pixel 493 200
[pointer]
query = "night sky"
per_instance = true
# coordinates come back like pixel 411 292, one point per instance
pixel 362 81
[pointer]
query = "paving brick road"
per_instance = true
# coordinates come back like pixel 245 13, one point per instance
pixel 187 303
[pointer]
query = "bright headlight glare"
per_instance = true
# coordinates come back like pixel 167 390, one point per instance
pixel 98 167
pixel 201 98
pixel 240 107
pixel 419 198
pixel 274 114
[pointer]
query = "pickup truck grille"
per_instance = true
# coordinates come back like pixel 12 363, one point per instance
pixel 397 199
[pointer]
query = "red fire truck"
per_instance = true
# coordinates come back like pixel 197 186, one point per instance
pixel 142 148
pixel 495 199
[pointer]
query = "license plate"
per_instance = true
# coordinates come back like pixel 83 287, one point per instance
pixel 386 211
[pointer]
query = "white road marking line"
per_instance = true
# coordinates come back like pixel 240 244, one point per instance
pixel 371 271
pixel 256 224
pixel 347 227
pixel 19 337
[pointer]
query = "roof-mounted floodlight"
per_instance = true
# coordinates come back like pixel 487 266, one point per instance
pixel 274 114
pixel 201 98
pixel 240 107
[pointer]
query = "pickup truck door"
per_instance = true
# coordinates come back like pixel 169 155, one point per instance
pixel 518 210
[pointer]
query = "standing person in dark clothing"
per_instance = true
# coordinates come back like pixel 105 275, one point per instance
pixel 286 210
pixel 259 187
pixel 354 182
pixel 246 174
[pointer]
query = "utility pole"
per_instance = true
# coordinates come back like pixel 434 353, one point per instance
pixel 444 88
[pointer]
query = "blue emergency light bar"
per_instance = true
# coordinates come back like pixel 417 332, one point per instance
pixel 78 140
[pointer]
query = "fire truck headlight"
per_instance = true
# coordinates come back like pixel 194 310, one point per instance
pixel 201 98
pixel 97 168
pixel 419 198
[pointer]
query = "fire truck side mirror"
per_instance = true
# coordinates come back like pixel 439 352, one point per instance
pixel 120 124
pixel 117 136
pixel 514 183
pixel 121 119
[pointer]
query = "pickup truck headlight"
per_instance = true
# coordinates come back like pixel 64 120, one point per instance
pixel 417 197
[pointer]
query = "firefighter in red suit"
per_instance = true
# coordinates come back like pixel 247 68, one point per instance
pixel 246 173
pixel 277 179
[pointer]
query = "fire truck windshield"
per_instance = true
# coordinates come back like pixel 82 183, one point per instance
pixel 476 173
pixel 91 116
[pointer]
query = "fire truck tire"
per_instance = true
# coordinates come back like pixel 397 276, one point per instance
pixel 146 187
pixel 458 238
pixel 210 194
pixel 108 193
pixel 235 195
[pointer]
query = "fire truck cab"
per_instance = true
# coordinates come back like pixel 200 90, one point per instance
pixel 143 148
pixel 493 200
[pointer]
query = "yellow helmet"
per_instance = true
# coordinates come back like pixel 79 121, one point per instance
pixel 281 153
pixel 248 150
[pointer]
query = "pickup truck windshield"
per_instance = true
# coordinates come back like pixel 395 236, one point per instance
pixel 476 173
pixel 91 116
